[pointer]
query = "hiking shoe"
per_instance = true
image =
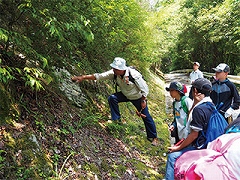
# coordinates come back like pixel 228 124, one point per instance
pixel 155 142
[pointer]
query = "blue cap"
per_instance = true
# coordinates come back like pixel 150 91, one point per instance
pixel 176 86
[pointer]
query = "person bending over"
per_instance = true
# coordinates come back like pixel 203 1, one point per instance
pixel 133 88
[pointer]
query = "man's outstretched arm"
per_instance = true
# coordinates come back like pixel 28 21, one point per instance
pixel 83 77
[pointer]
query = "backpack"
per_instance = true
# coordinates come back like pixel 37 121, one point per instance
pixel 130 77
pixel 215 128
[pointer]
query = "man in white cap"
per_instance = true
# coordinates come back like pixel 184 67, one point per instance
pixel 133 88
pixel 195 74
pixel 224 93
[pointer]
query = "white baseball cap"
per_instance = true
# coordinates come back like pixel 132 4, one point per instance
pixel 197 63
pixel 119 63
pixel 222 67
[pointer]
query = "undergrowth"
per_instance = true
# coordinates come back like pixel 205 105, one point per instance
pixel 50 138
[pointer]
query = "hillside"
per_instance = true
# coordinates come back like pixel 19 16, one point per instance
pixel 62 133
pixel 52 128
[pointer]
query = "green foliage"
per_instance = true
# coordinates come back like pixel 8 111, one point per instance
pixel 41 32
pixel 204 31
pixel 2 160
pixel 116 129
pixel 3 35
pixel 84 36
pixel 6 74
pixel 23 159
pixel 56 33
pixel 118 28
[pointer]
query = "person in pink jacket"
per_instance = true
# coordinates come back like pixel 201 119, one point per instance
pixel 219 161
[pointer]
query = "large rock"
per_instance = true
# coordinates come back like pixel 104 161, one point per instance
pixel 72 90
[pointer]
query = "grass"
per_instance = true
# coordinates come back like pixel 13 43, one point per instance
pixel 73 144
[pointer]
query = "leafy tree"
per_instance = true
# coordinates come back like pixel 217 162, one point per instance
pixel 56 33
pixel 120 30
pixel 205 31
pixel 43 33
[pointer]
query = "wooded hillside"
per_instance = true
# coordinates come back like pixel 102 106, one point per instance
pixel 51 128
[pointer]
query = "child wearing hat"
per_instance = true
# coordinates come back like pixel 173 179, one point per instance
pixel 198 121
pixel 224 93
pixel 181 106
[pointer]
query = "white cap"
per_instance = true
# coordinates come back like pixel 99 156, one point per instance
pixel 119 63
pixel 197 63
pixel 222 67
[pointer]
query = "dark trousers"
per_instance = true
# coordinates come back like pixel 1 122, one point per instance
pixel 118 97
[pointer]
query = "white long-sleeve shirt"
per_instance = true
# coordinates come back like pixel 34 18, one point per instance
pixel 132 90
pixel 195 75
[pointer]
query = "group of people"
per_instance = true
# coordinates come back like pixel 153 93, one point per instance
pixel 191 114
pixel 221 93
